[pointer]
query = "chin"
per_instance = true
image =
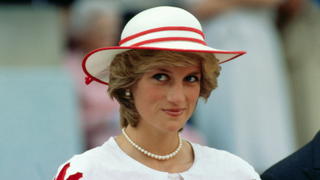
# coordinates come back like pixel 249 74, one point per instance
pixel 174 128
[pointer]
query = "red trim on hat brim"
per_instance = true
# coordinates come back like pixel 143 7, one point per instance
pixel 92 78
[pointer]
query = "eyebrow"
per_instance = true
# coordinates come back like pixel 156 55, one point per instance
pixel 164 70
pixel 191 73
pixel 195 73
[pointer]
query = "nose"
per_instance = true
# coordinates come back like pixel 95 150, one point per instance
pixel 176 94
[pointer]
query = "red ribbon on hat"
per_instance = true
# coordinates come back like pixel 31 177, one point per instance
pixel 169 28
pixel 88 80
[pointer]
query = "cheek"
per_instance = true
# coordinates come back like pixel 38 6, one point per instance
pixel 193 95
pixel 151 95
pixel 147 97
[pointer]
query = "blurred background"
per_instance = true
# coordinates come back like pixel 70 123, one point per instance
pixel 267 104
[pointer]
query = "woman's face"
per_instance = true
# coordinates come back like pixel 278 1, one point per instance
pixel 165 98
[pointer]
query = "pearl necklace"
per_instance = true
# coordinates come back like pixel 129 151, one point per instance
pixel 158 157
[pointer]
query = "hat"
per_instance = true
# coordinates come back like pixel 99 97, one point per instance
pixel 160 28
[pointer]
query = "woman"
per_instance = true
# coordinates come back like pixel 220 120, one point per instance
pixel 157 74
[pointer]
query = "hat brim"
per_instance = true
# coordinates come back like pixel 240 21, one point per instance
pixel 98 60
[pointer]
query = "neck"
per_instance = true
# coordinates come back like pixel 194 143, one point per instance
pixel 156 142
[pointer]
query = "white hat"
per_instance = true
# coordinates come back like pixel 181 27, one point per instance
pixel 159 28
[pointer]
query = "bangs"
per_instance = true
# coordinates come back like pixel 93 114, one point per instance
pixel 168 58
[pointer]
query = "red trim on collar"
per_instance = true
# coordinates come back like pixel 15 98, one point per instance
pixel 169 28
pixel 169 39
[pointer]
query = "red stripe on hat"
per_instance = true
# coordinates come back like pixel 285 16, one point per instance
pixel 169 39
pixel 169 28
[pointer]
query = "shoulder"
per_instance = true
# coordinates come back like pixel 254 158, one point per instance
pixel 223 162
pixel 220 156
pixel 91 161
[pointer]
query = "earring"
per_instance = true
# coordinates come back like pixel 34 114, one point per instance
pixel 128 93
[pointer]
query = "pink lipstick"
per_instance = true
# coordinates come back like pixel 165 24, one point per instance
pixel 173 112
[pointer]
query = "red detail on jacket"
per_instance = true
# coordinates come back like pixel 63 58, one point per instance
pixel 63 171
pixel 76 176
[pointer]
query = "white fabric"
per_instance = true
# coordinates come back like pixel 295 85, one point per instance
pixel 110 162
pixel 159 17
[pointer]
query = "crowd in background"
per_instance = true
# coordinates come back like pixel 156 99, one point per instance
pixel 267 104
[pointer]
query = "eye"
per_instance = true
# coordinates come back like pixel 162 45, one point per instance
pixel 191 78
pixel 161 77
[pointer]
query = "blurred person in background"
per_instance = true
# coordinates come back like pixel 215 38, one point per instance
pixel 93 24
pixel 250 114
pixel 298 21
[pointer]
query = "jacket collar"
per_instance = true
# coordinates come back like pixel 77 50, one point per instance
pixel 314 173
pixel 316 151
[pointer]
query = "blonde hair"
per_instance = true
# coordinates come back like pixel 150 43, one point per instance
pixel 126 68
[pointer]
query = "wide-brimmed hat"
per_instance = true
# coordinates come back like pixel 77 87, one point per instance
pixel 160 28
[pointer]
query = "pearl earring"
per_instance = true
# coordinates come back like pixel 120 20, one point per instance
pixel 128 92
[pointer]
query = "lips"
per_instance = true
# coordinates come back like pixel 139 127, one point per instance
pixel 174 112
